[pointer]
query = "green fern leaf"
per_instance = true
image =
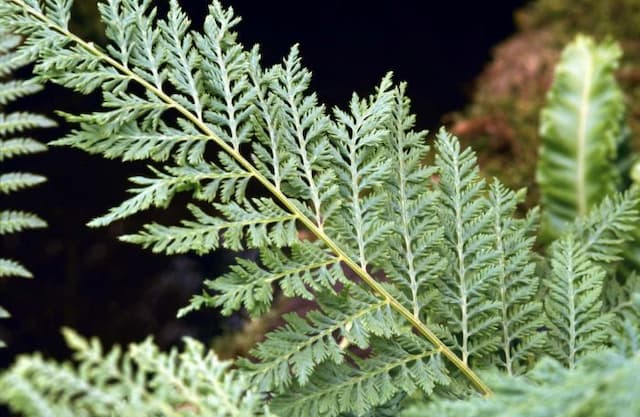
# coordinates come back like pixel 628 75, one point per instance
pixel 600 387
pixel 140 381
pixel 12 90
pixel 573 304
pixel 466 217
pixel 520 314
pixel 259 221
pixel 323 335
pixel 330 177
pixel 307 268
pixel 580 129
pixel 406 364
pixel 413 250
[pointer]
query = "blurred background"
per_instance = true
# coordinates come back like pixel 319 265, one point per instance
pixel 480 68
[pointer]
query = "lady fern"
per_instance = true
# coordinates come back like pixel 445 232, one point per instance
pixel 421 274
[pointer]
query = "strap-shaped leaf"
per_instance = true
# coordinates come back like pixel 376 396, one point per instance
pixel 580 127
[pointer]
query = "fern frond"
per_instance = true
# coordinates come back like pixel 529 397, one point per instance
pixel 332 177
pixel 609 225
pixel 306 270
pixel 362 167
pixel 20 121
pixel 304 128
pixel 205 180
pixel 226 75
pixel 601 386
pixel 406 364
pixel 520 314
pixel 132 142
pixel 573 304
pixel 413 259
pixel 259 222
pixel 139 382
pixel 580 128
pixel 296 349
pixel 15 89
pixel 472 274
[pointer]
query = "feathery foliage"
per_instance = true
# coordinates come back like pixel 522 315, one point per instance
pixel 602 386
pixel 421 274
pixel 141 381
pixel 13 221
pixel 581 128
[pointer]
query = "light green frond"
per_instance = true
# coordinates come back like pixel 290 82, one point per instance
pixel 406 364
pixel 206 181
pixel 601 386
pixel 472 275
pixel 296 349
pixel 580 127
pixel 139 382
pixel 517 286
pixel 306 270
pixel 413 258
pixel 12 57
pixel 15 181
pixel 19 146
pixel 131 142
pixel 362 166
pixel 609 226
pixel 259 222
pixel 304 129
pixel 573 303
pixel 11 268
pixel 225 72
pixel 168 94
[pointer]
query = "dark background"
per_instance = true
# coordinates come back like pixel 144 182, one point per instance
pixel 86 279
